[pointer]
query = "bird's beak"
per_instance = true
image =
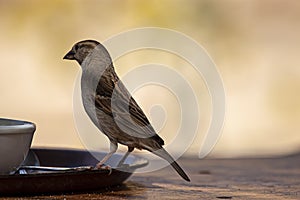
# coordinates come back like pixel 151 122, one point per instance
pixel 70 55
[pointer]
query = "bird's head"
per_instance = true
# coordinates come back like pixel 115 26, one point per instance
pixel 81 50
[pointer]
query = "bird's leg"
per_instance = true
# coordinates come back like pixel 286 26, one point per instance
pixel 113 148
pixel 130 149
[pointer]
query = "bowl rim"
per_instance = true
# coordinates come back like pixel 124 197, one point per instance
pixel 17 126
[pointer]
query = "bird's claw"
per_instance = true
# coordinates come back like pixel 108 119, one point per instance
pixel 104 167
pixel 83 168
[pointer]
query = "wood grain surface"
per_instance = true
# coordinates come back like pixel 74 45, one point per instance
pixel 267 178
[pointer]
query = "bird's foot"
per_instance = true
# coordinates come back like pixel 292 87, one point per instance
pixel 84 168
pixel 104 167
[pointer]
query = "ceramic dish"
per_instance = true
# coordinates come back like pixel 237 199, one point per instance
pixel 15 141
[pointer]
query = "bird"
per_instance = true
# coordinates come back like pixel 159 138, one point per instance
pixel 111 107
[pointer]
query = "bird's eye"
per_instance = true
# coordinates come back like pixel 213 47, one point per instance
pixel 76 47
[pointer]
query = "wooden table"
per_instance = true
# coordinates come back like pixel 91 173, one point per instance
pixel 273 178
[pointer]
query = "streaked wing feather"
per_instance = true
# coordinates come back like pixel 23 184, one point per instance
pixel 127 114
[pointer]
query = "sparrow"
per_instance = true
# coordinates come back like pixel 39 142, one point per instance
pixel 111 107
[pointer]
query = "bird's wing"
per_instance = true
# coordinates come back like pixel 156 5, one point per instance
pixel 103 105
pixel 127 114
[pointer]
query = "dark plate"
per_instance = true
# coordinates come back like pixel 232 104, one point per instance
pixel 69 181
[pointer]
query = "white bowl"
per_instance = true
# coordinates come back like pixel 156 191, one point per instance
pixel 15 142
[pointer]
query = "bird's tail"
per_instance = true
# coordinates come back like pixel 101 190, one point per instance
pixel 165 155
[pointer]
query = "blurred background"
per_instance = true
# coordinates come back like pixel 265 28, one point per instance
pixel 254 43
